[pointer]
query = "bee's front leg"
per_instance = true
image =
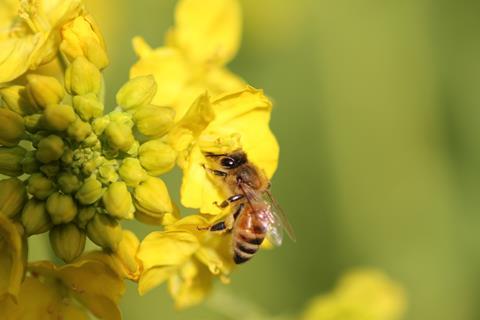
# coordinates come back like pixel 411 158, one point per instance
pixel 231 199
pixel 225 225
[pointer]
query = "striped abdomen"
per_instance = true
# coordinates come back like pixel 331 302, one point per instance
pixel 248 234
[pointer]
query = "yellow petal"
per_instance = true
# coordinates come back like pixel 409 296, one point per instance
pixel 207 31
pixel 15 55
pixel 154 277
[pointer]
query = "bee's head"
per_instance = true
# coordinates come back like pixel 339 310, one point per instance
pixel 228 161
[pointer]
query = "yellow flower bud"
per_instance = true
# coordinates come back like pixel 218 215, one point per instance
pixel 152 198
pixel 84 215
pixel 154 121
pixel 132 172
pixel 119 136
pixel 58 116
pixel 33 122
pixel 118 201
pixel 82 77
pixel 88 106
pixel 50 169
pixel 121 117
pixel 50 149
pixel 67 241
pixel 45 90
pixel 137 92
pixel 107 173
pixel 105 231
pixel 12 128
pixel 67 157
pixel 35 218
pixel 68 182
pixel 81 38
pixel 40 186
pixel 11 161
pixel 13 197
pixel 61 207
pixel 79 130
pixel 100 124
pixel 16 99
pixel 157 157
pixel 29 163
pixel 90 191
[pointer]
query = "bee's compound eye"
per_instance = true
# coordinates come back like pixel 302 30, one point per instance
pixel 227 162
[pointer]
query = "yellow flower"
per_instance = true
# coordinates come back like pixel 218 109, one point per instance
pixel 206 35
pixel 53 292
pixel 233 121
pixel 32 39
pixel 186 258
pixel 13 255
pixel 363 294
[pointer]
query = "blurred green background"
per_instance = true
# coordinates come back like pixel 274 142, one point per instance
pixel 377 113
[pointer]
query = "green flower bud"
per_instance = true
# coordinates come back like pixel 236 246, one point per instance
pixel 152 198
pixel 45 90
pixel 58 116
pixel 157 157
pixel 107 173
pixel 84 215
pixel 154 121
pixel 132 172
pixel 33 122
pixel 137 92
pixel 16 99
pixel 61 207
pixel 67 241
pixel 12 128
pixel 50 149
pixel 79 130
pixel 88 106
pixel 35 218
pixel 91 140
pixel 90 191
pixel 118 201
pixel 82 77
pixel 89 167
pixel 29 163
pixel 119 136
pixel 13 197
pixel 50 169
pixel 67 156
pixel 105 231
pixel 40 186
pixel 100 124
pixel 68 182
pixel 11 161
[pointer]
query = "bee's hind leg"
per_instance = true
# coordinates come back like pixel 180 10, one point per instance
pixel 225 225
pixel 231 199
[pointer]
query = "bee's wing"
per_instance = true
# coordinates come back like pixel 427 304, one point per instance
pixel 279 219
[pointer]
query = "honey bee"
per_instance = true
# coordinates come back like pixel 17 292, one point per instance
pixel 255 214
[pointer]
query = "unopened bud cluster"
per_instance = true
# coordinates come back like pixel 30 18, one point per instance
pixel 75 171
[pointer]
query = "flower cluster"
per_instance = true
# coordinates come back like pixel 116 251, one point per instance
pixel 76 168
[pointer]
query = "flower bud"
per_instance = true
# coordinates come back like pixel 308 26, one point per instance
pixel 29 163
pixel 33 122
pixel 157 157
pixel 105 231
pixel 127 254
pixel 40 186
pixel 12 128
pixel 67 241
pixel 13 197
pixel 152 198
pixel 79 130
pixel 35 218
pixel 154 121
pixel 107 173
pixel 67 156
pixel 16 99
pixel 100 124
pixel 11 161
pixel 45 90
pixel 137 92
pixel 121 117
pixel 58 116
pixel 82 77
pixel 84 215
pixel 119 136
pixel 68 182
pixel 50 149
pixel 88 106
pixel 132 172
pixel 118 201
pixel 61 207
pixel 90 191
pixel 50 169
pixel 82 38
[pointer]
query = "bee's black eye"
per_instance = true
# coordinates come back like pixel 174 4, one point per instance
pixel 228 163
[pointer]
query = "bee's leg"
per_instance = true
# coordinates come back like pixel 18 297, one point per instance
pixel 226 224
pixel 231 199
pixel 216 172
